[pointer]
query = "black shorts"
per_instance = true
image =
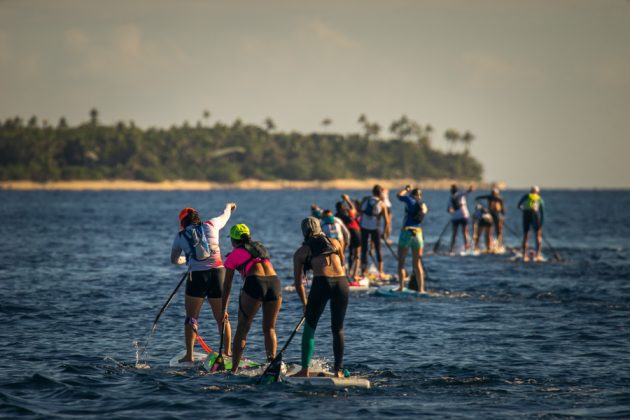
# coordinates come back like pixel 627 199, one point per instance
pixel 265 288
pixel 208 283
pixel 531 219
pixel 463 222
pixel 355 238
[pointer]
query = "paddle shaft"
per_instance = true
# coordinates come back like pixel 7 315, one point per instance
pixel 168 301
pixel 437 244
pixel 556 256
pixel 278 357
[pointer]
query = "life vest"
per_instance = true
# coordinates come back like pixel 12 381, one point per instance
pixel 331 228
pixel 532 202
pixel 196 239
pixel 371 206
pixel 256 250
pixel 318 245
pixel 416 212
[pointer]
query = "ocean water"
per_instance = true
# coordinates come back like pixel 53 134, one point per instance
pixel 83 274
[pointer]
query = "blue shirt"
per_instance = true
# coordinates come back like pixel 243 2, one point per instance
pixel 410 207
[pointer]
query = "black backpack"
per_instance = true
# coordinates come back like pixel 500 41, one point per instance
pixel 415 213
pixel 255 250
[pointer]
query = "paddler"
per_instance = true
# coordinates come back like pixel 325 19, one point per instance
pixel 373 209
pixel 200 243
pixel 458 208
pixel 348 214
pixel 411 237
pixel 324 256
pixel 261 286
pixel 497 211
pixel 533 207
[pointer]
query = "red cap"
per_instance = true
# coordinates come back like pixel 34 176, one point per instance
pixel 183 214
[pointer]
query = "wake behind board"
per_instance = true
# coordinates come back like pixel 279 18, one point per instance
pixel 206 360
pixel 390 291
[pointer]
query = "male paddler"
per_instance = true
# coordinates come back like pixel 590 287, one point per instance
pixel 324 256
pixel 411 234
pixel 533 207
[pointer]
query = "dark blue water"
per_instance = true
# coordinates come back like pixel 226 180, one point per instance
pixel 82 275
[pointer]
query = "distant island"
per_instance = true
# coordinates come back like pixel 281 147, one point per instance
pixel 220 153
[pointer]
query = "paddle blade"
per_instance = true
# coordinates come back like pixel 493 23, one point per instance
pixel 272 373
pixel 436 246
pixel 218 365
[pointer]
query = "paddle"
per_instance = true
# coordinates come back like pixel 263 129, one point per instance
pixel 219 363
pixel 161 311
pixel 556 256
pixel 426 274
pixel 272 373
pixel 437 244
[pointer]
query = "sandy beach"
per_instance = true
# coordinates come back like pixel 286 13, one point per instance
pixel 249 184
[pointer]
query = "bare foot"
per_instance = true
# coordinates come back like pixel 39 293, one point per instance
pixel 340 374
pixel 186 359
pixel 303 373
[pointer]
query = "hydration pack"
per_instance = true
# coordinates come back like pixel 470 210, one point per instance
pixel 371 207
pixel 532 202
pixel 416 213
pixel 319 245
pixel 256 250
pixel 331 228
pixel 199 247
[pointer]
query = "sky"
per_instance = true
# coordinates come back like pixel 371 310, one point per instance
pixel 544 85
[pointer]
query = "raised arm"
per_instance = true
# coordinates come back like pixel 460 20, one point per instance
pixel 404 191
pixel 220 221
pixel 349 202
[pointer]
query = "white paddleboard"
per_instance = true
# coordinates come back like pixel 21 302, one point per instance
pixel 328 382
pixel 198 357
pixel 390 291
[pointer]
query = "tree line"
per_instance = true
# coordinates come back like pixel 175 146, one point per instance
pixel 38 151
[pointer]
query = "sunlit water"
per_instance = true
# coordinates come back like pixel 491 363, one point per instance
pixel 83 274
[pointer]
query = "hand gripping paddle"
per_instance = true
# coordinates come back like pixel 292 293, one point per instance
pixel 219 363
pixel 272 373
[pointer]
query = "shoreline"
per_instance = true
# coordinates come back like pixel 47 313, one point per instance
pixel 247 184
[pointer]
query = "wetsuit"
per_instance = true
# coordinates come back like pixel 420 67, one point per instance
pixel 533 211
pixel 324 289
pixel 206 276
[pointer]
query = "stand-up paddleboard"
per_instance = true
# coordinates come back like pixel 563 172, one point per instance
pixel 362 285
pixel 321 378
pixel 243 364
pixel 206 360
pixel 326 381
pixel 390 291
pixel 199 359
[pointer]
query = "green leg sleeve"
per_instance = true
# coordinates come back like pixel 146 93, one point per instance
pixel 308 344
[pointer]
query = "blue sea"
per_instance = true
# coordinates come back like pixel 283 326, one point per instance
pixel 83 274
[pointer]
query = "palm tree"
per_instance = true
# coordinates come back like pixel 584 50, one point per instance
pixel 452 136
pixel 467 139
pixel 326 122
pixel 206 115
pixel 93 116
pixel 269 124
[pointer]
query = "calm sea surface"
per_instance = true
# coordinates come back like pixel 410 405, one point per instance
pixel 83 274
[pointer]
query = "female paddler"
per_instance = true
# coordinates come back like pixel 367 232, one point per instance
pixel 260 287
pixel 200 243
pixel 325 257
